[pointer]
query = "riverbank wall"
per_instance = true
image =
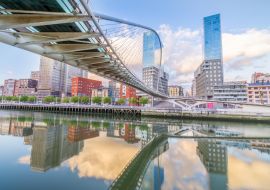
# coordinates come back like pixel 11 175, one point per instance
pixel 206 116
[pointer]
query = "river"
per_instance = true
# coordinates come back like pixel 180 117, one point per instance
pixel 76 152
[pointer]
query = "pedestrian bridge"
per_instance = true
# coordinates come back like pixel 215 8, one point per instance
pixel 68 31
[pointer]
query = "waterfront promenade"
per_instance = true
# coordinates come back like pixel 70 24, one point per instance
pixel 225 115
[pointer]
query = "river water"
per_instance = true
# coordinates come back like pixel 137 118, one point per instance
pixel 53 151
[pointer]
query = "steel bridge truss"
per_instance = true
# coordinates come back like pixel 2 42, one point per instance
pixel 74 38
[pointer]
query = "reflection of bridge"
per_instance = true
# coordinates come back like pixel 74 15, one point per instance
pixel 68 31
pixel 131 176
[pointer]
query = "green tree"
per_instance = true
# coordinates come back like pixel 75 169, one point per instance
pixel 74 99
pixel 132 101
pixel 32 99
pixel 24 98
pixel 121 101
pixel 58 100
pixel 65 100
pixel 8 98
pixel 48 99
pixel 144 101
pixel 15 98
pixel 97 100
pixel 85 100
pixel 107 100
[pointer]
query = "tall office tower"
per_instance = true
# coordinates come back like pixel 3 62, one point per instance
pixel 210 72
pixel 151 50
pixel 56 78
pixel 153 75
pixel 51 79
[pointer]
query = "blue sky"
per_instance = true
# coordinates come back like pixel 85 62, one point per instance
pixel 180 21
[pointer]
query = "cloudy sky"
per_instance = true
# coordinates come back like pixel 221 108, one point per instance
pixel 245 27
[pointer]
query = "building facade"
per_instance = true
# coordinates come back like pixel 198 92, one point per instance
pixel 56 78
pixel 231 91
pixel 25 87
pixel 210 72
pixel 112 90
pixel 100 92
pixel 259 93
pixel 260 78
pixel 151 47
pixel 127 91
pixel 175 91
pixel 1 90
pixel 34 75
pixel 9 87
pixel 155 79
pixel 83 86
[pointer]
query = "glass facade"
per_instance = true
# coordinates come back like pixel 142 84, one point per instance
pixel 212 38
pixel 151 48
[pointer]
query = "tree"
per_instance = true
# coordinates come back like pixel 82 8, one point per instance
pixel 57 100
pixel 74 99
pixel 97 100
pixel 8 98
pixel 132 101
pixel 24 98
pixel 32 99
pixel 85 100
pixel 49 99
pixel 65 100
pixel 15 98
pixel 121 101
pixel 144 101
pixel 107 100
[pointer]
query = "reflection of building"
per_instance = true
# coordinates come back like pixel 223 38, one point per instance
pixel 213 155
pixel 128 133
pixel 83 86
pixel 15 127
pixel 50 147
pixel 231 91
pixel 81 133
pixel 154 176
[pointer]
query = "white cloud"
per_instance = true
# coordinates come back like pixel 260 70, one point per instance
pixel 24 160
pixel 247 51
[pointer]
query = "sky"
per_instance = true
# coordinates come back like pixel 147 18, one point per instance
pixel 245 36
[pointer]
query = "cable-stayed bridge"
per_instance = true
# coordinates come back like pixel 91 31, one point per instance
pixel 68 31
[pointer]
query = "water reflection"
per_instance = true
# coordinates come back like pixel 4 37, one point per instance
pixel 212 164
pixel 93 151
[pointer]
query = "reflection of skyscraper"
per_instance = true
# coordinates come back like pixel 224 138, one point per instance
pixel 78 133
pixel 50 147
pixel 154 176
pixel 128 133
pixel 214 157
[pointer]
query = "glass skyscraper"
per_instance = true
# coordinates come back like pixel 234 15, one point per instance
pixel 212 38
pixel 150 49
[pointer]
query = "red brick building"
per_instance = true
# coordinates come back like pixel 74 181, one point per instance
pixel 127 91
pixel 83 86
